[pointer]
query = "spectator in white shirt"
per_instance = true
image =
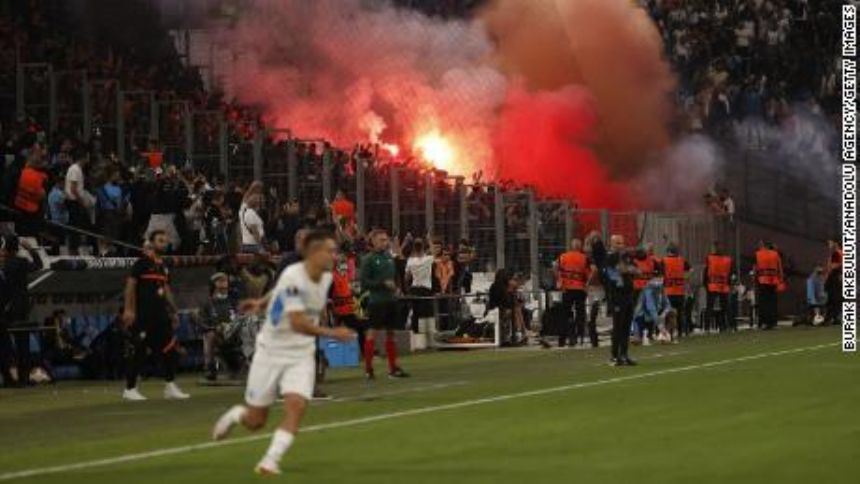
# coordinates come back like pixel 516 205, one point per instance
pixel 78 200
pixel 251 225
pixel 419 281
pixel 728 204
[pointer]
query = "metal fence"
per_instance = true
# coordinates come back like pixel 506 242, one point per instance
pixel 508 228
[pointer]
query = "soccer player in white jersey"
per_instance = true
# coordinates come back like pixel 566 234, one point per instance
pixel 284 357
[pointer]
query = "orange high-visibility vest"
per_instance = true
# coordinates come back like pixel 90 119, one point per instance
pixel 154 158
pixel 572 271
pixel 719 270
pixel 768 267
pixel 343 302
pixel 31 190
pixel 673 275
pixel 647 269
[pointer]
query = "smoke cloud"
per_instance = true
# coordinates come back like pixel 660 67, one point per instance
pixel 802 145
pixel 352 71
pixel 612 48
pixel 569 96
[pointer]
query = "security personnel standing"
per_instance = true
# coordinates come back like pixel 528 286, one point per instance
pixel 718 270
pixel 573 271
pixel 343 297
pixel 675 270
pixel 30 194
pixel 768 275
pixel 833 283
pixel 647 264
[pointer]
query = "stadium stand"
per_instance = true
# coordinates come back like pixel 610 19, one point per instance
pixel 161 147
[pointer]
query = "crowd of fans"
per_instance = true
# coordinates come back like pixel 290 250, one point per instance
pixel 755 60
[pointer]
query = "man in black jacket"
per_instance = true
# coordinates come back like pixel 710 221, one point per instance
pixel 15 306
pixel 619 271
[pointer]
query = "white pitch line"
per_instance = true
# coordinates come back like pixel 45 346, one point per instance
pixel 41 471
pixel 421 389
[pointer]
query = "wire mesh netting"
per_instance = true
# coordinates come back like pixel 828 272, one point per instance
pixel 70 102
pixel 136 124
pixel 103 113
pixel 552 226
pixel 481 225
pixel 518 234
pixel 173 126
pixel 448 199
pixel 206 142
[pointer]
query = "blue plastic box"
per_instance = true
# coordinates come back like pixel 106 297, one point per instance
pixel 340 355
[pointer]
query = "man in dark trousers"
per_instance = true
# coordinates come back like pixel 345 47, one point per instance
pixel 768 275
pixel 15 307
pixel 150 317
pixel 833 283
pixel 717 275
pixel 675 272
pixel 618 274
pixel 573 272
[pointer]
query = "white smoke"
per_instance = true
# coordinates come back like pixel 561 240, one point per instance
pixel 686 172
pixel 803 145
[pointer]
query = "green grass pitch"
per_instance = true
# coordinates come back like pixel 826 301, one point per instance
pixel 755 407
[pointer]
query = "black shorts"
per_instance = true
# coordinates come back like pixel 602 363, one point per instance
pixel 385 315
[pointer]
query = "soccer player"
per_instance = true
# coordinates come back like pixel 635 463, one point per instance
pixel 284 358
pixel 150 317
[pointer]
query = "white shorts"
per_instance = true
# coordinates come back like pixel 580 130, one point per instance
pixel 269 379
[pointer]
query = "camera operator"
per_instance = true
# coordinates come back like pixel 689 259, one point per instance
pixel 218 321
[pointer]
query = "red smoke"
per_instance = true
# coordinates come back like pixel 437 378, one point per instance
pixel 570 96
pixel 546 139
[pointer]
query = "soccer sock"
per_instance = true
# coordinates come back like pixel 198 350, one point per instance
pixel 281 442
pixel 369 349
pixel 237 414
pixel 391 352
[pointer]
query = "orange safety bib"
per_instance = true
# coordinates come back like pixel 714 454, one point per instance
pixel 647 268
pixel 572 271
pixel 31 190
pixel 768 267
pixel 719 271
pixel 343 302
pixel 673 275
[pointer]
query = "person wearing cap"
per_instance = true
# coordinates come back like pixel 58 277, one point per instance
pixel 215 315
pixel 653 310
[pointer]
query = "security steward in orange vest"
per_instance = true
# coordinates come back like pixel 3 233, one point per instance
pixel 648 267
pixel 833 283
pixel 342 296
pixel 30 194
pixel 768 275
pixel 675 270
pixel 573 271
pixel 717 275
